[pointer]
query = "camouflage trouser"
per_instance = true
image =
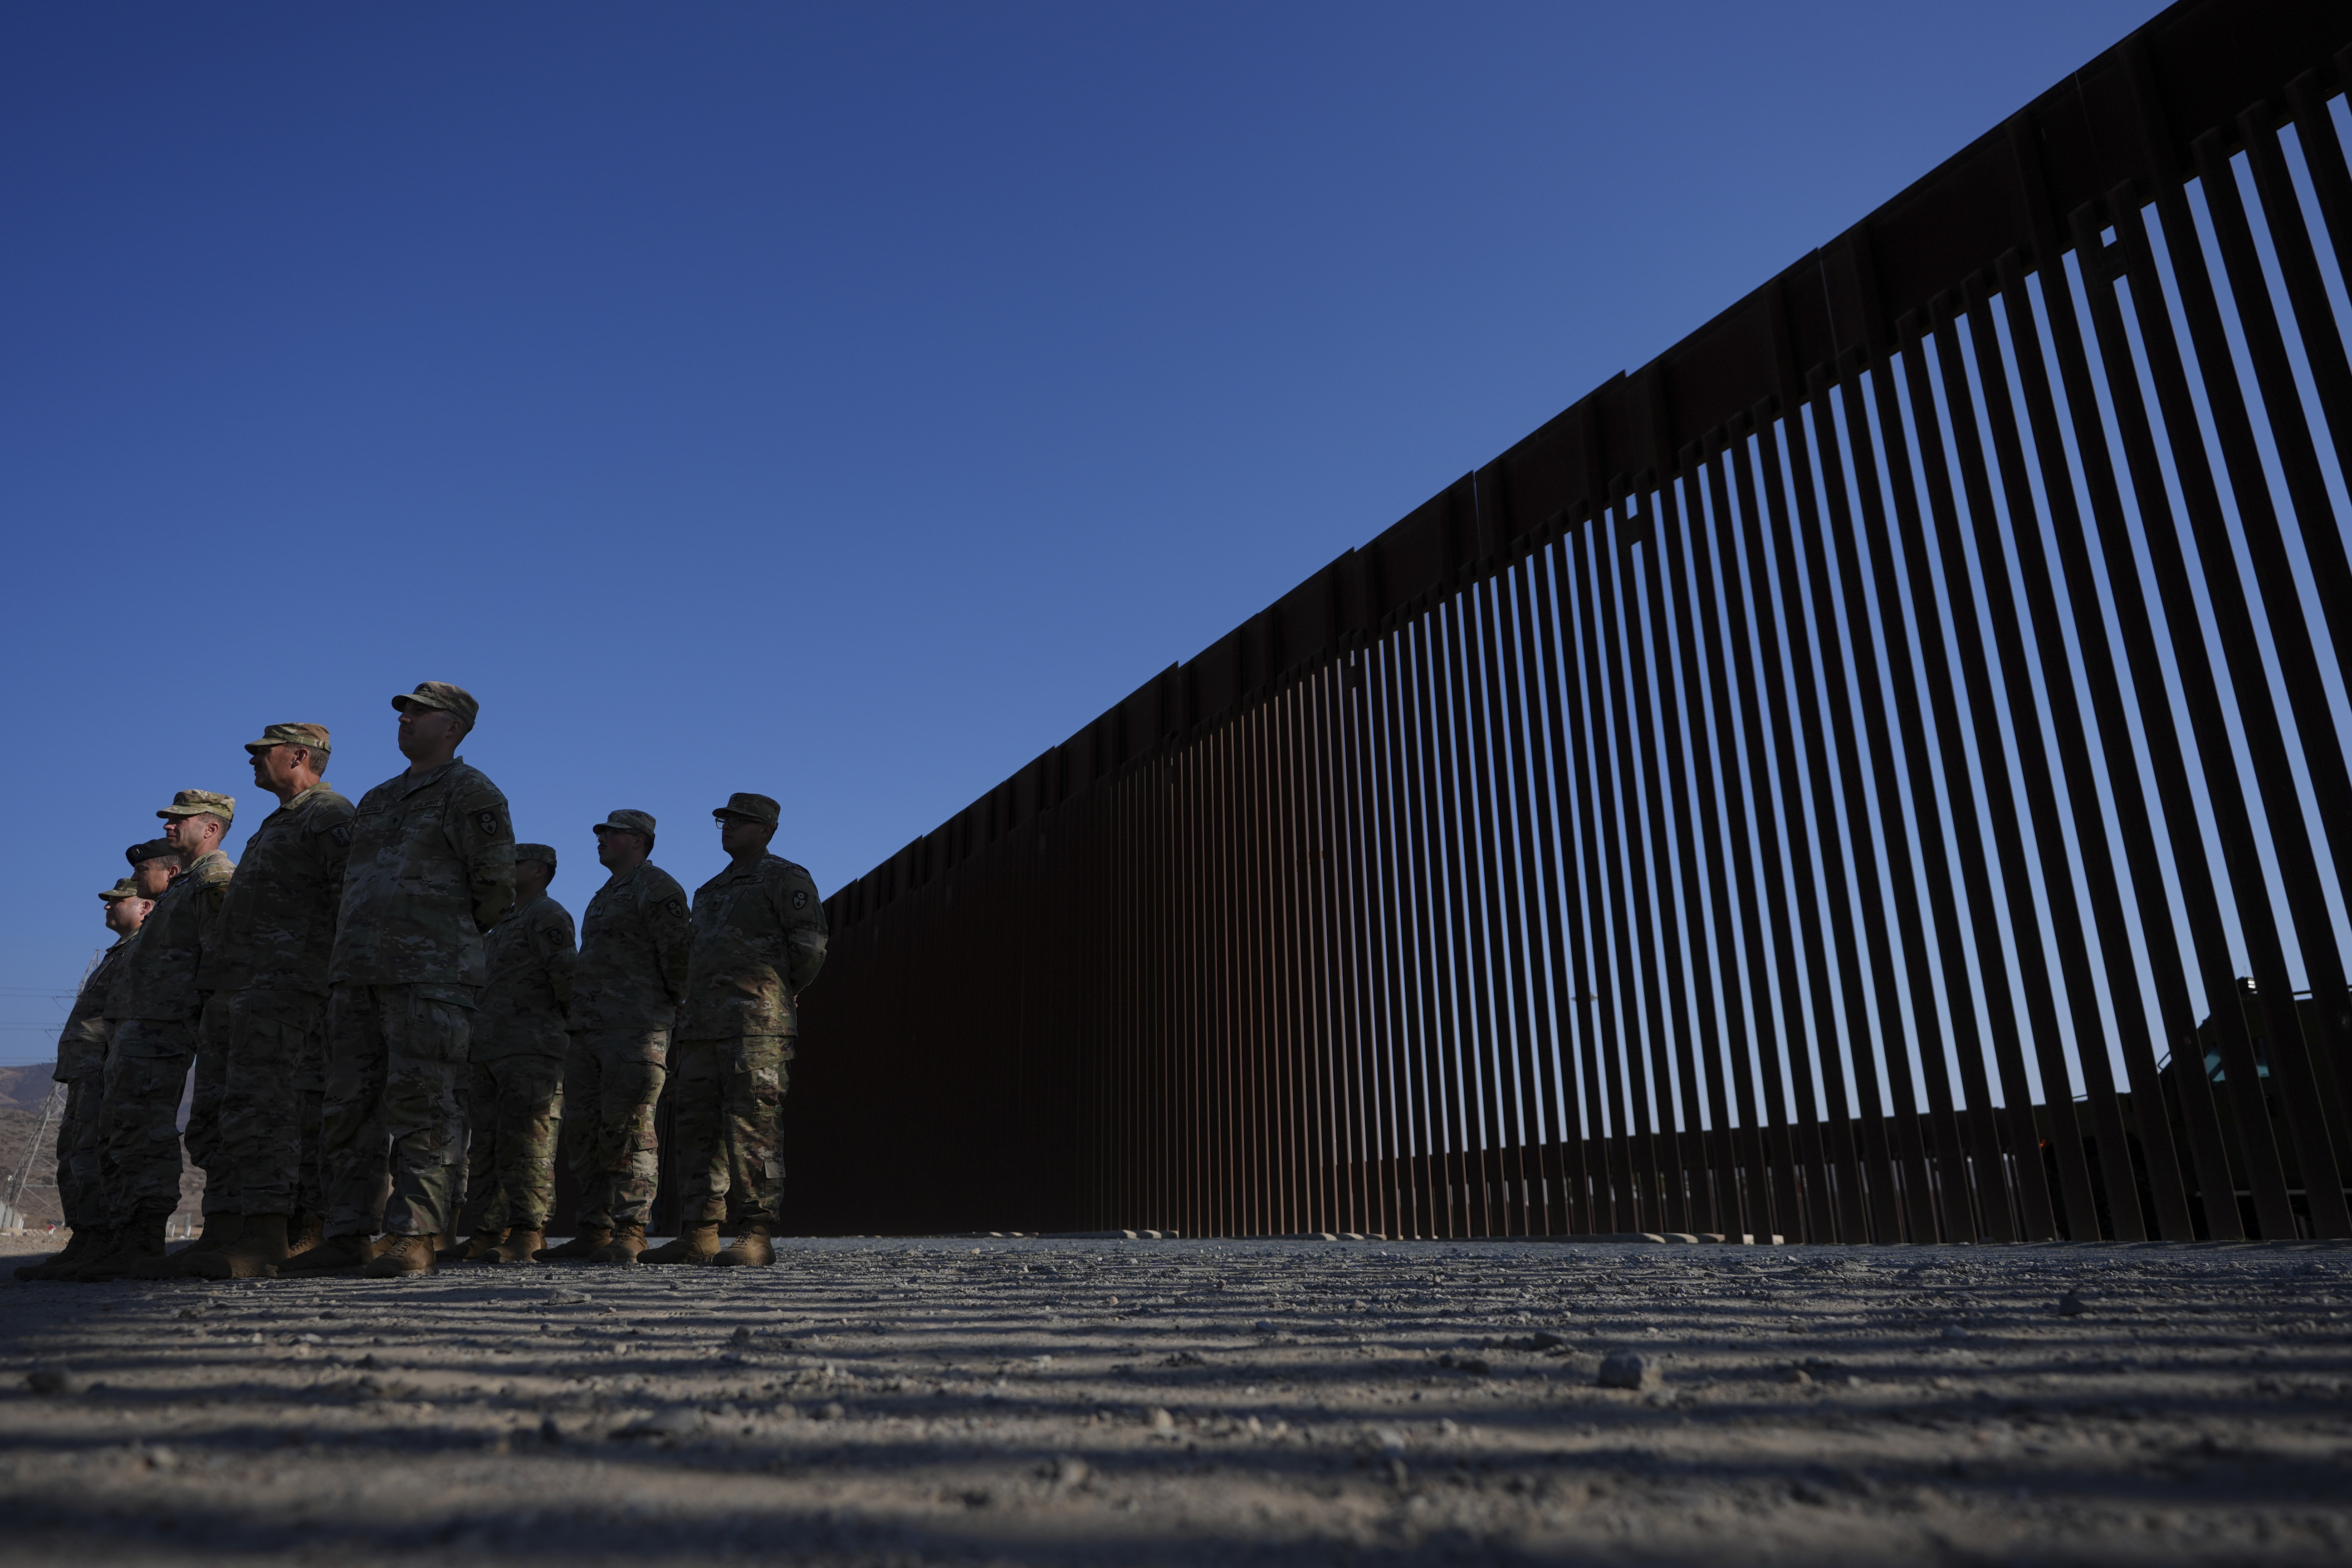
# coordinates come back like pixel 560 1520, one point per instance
pixel 612 1078
pixel 273 1045
pixel 395 1057
pixel 81 1190
pixel 146 1069
pixel 730 1104
pixel 513 1108
pixel 202 1132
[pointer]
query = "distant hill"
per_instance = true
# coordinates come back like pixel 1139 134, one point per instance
pixel 25 1087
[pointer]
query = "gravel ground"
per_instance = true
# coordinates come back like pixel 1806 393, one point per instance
pixel 1085 1401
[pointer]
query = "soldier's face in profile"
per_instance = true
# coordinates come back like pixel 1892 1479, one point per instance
pixel 424 730
pixel 154 875
pixel 273 766
pixel 609 852
pixel 124 916
pixel 737 835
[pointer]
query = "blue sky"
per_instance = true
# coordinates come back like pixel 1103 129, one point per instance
pixel 844 404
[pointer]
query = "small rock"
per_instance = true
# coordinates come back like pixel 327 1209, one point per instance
pixel 678 1421
pixel 1159 1420
pixel 1954 1332
pixel 59 1381
pixel 1630 1369
pixel 163 1459
pixel 742 1336
pixel 1069 1473
pixel 2070 1305
pixel 831 1411
pixel 549 1432
pixel 1183 1358
pixel 1796 1375
pixel 1262 1326
pixel 567 1298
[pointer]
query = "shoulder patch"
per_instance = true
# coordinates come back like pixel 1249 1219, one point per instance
pixel 673 908
pixel 488 821
pixel 341 834
pixel 799 898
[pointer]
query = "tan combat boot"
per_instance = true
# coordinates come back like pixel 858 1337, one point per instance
pixel 305 1233
pixel 136 1245
pixel 628 1240
pixel 402 1256
pixel 101 1242
pixel 579 1249
pixel 479 1246
pixel 695 1244
pixel 77 1251
pixel 255 1254
pixel 333 1254
pixel 750 1249
pixel 220 1230
pixel 520 1246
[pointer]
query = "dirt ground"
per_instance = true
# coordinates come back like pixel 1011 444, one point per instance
pixel 1112 1401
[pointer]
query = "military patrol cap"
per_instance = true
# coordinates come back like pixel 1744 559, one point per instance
pixel 543 853
pixel 757 807
pixel 154 849
pixel 125 888
pixel 313 736
pixel 442 695
pixel 628 822
pixel 196 802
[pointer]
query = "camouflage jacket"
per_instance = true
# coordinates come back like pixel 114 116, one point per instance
pixel 529 958
pixel 635 946
pixel 159 975
pixel 432 868
pixel 117 1001
pixel 277 922
pixel 81 1044
pixel 759 940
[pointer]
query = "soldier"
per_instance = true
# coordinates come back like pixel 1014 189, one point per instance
pixel 153 866
pixel 266 1020
pixel 157 1001
pixel 515 1100
pixel 431 868
pixel 635 945
pixel 759 940
pixel 81 1068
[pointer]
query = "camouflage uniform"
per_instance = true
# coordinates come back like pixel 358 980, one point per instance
pixel 268 974
pixel 81 1068
pixel 515 1099
pixel 759 940
pixel 431 868
pixel 158 1006
pixel 634 948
